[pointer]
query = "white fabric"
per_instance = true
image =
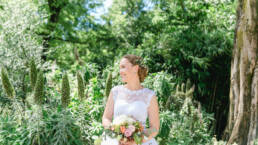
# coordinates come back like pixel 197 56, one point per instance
pixel 133 103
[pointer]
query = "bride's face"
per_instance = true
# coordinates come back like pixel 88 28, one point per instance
pixel 128 72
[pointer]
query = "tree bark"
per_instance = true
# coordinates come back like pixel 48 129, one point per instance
pixel 242 124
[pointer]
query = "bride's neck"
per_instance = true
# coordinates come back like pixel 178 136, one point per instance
pixel 134 85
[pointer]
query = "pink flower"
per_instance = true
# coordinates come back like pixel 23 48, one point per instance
pixel 128 133
pixel 131 127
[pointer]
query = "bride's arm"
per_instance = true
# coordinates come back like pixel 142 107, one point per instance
pixel 108 113
pixel 153 112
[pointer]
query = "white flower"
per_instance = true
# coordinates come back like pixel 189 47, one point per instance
pixel 123 119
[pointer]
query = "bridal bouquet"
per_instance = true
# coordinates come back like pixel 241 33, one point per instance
pixel 125 128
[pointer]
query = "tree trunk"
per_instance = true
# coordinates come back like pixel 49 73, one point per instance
pixel 55 10
pixel 77 56
pixel 242 124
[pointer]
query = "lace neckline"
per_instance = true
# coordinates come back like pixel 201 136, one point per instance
pixel 132 90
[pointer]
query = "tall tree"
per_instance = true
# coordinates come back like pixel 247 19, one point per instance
pixel 243 116
pixel 129 22
pixel 65 20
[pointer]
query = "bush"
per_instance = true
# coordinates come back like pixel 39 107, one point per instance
pixel 49 126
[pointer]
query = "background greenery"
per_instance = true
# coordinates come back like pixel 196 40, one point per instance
pixel 186 45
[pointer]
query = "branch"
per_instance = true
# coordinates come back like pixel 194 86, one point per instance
pixel 68 41
pixel 60 39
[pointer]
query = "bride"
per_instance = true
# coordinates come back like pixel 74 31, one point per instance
pixel 134 100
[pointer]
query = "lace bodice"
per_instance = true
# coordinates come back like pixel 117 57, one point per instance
pixel 133 103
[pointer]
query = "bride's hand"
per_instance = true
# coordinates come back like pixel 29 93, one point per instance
pixel 143 141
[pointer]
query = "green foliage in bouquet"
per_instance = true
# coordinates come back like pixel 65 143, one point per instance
pixel 81 86
pixel 7 86
pixel 39 89
pixel 65 91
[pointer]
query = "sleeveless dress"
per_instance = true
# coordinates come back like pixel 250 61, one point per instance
pixel 133 103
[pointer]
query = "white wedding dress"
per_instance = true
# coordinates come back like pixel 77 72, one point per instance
pixel 132 103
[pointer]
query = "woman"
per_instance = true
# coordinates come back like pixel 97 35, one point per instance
pixel 132 99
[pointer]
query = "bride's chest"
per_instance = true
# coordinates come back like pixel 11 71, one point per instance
pixel 134 105
pixel 136 109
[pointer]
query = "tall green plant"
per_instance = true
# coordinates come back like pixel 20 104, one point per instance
pixel 7 86
pixel 81 87
pixel 39 89
pixel 33 74
pixel 65 91
pixel 108 84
